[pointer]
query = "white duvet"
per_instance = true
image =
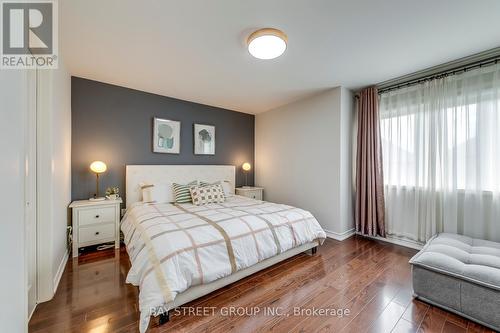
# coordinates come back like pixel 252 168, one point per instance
pixel 174 247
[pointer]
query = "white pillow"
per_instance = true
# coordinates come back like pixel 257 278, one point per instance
pixel 157 192
pixel 226 186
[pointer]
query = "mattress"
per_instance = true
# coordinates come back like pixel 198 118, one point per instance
pixel 173 247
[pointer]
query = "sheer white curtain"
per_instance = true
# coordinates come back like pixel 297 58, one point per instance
pixel 441 155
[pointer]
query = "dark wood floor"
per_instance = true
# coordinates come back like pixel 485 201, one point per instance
pixel 371 279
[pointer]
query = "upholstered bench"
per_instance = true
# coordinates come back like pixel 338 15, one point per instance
pixel 460 274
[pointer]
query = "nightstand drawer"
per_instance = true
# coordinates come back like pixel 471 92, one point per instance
pixel 250 192
pixel 257 195
pixel 253 194
pixel 95 222
pixel 96 215
pixel 95 233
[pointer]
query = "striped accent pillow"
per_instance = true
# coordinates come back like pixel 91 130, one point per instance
pixel 207 194
pixel 181 192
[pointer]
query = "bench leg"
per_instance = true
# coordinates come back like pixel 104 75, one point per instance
pixel 164 318
pixel 314 250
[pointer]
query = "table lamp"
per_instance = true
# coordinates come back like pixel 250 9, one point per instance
pixel 246 167
pixel 97 167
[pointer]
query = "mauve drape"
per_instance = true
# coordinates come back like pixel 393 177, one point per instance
pixel 369 175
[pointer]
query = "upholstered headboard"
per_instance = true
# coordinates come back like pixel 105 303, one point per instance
pixel 182 174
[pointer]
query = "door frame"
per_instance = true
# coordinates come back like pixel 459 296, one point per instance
pixel 44 186
pixel 40 104
pixel 30 190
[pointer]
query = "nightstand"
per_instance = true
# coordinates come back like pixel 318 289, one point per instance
pixel 256 193
pixel 95 222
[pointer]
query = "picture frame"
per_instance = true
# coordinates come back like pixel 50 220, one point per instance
pixel 166 136
pixel 204 139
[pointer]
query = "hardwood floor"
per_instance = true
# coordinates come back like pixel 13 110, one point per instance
pixel 369 279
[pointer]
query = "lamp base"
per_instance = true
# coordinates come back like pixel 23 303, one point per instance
pixel 97 199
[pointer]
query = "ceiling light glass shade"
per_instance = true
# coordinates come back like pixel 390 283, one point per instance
pixel 98 167
pixel 267 43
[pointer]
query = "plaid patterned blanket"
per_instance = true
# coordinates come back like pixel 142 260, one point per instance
pixel 175 246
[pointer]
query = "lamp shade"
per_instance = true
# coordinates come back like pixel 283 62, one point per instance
pixel 98 167
pixel 246 166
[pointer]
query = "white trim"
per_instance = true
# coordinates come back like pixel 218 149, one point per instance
pixel 398 241
pixel 393 240
pixel 60 270
pixel 26 111
pixel 30 194
pixel 340 236
pixel 31 314
pixel 45 215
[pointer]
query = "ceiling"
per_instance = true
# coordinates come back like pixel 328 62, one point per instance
pixel 195 50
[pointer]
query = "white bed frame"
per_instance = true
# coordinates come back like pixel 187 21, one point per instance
pixel 204 289
pixel 183 174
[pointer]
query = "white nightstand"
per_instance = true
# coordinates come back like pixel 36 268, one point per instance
pixel 95 222
pixel 256 193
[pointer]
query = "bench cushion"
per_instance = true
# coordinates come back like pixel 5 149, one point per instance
pixel 466 258
pixel 460 274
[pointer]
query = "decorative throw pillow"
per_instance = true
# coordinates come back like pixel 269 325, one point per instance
pixel 147 192
pixel 226 186
pixel 156 192
pixel 203 195
pixel 181 192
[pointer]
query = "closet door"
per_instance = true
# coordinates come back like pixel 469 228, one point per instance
pixel 30 192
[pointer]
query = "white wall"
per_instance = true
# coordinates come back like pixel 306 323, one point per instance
pixel 13 112
pixel 302 157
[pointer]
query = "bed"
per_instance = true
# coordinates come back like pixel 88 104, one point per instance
pixel 180 252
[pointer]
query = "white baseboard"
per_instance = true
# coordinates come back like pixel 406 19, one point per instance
pixel 60 271
pixel 340 236
pixel 393 240
pixel 32 311
pixel 398 241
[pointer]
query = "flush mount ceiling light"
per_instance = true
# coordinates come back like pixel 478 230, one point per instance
pixel 267 43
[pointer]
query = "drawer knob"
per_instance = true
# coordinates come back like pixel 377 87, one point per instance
pixel 97 233
pixel 97 216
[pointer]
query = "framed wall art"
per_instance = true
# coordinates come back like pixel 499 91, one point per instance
pixel 204 139
pixel 166 136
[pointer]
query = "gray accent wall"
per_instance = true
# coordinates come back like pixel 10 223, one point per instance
pixel 115 124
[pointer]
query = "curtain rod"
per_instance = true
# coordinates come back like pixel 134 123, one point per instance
pixel 440 75
pixel 461 65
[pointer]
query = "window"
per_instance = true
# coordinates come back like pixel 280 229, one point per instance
pixel 441 141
